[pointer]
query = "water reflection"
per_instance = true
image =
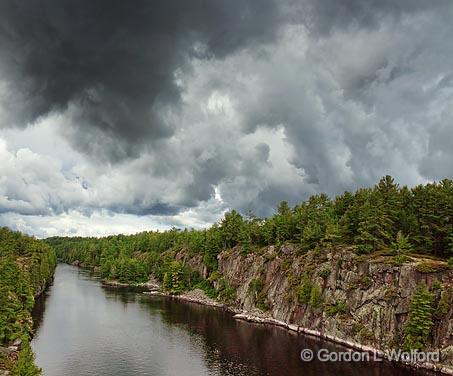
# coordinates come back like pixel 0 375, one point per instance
pixel 83 328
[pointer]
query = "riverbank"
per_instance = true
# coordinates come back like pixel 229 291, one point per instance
pixel 360 301
pixel 13 348
pixel 85 328
pixel 26 269
pixel 261 318
pixel 256 316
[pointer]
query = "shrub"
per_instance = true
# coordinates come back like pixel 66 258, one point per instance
pixel 365 282
pixel 336 308
pixel 400 259
pixel 436 285
pixel 444 304
pixel 315 297
pixel 304 291
pixel 256 287
pixel 324 273
pixel 226 293
pixel 207 288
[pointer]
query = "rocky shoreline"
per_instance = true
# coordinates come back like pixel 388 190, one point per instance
pixel 199 297
pixel 376 353
pixel 257 317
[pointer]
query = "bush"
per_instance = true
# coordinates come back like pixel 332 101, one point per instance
pixel 400 259
pixel 256 287
pixel 304 291
pixel 336 308
pixel 324 273
pixel 315 297
pixel 227 294
pixel 207 288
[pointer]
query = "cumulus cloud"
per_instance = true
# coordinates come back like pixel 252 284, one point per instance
pixel 172 113
pixel 34 184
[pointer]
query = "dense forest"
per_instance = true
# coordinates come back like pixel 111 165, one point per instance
pixel 26 267
pixel 387 217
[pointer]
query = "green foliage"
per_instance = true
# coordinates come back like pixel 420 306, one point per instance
pixel 436 285
pixel 227 294
pixel 324 273
pixel 374 225
pixel 444 304
pixel 231 229
pixel 128 270
pixel 25 364
pixel 256 288
pixel 402 244
pixel 450 262
pixel 383 217
pixel 206 286
pixel 419 324
pixel 400 259
pixel 26 266
pixel 304 291
pixel 339 307
pixel 315 297
pixel 431 267
pixel 365 282
pixel 173 279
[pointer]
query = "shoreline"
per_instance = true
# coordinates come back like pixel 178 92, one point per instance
pixel 299 330
pixel 238 314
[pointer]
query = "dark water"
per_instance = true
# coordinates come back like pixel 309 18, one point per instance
pixel 85 329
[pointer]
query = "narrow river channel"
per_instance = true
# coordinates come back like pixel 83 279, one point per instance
pixel 84 328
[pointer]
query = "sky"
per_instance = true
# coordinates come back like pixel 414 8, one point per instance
pixel 120 117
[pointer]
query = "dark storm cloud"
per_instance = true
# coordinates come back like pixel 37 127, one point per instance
pixel 113 62
pixel 208 105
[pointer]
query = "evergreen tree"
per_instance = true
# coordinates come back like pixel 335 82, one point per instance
pixel 419 323
pixel 389 194
pixel 402 244
pixel 374 225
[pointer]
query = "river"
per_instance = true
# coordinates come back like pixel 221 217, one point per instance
pixel 84 328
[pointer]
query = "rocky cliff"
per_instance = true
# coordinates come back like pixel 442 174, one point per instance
pixel 364 299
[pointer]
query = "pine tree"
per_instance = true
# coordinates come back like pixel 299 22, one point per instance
pixel 390 197
pixel 402 244
pixel 419 324
pixel 373 230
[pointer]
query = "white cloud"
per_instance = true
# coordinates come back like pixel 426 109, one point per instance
pixel 278 121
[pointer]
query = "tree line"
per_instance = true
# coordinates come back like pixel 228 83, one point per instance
pixel 26 266
pixel 383 217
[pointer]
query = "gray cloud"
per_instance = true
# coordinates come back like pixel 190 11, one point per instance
pixel 113 63
pixel 194 109
pixel 326 16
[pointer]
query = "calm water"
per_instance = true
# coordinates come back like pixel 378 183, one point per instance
pixel 83 328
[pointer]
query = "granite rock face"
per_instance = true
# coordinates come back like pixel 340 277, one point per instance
pixel 362 299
